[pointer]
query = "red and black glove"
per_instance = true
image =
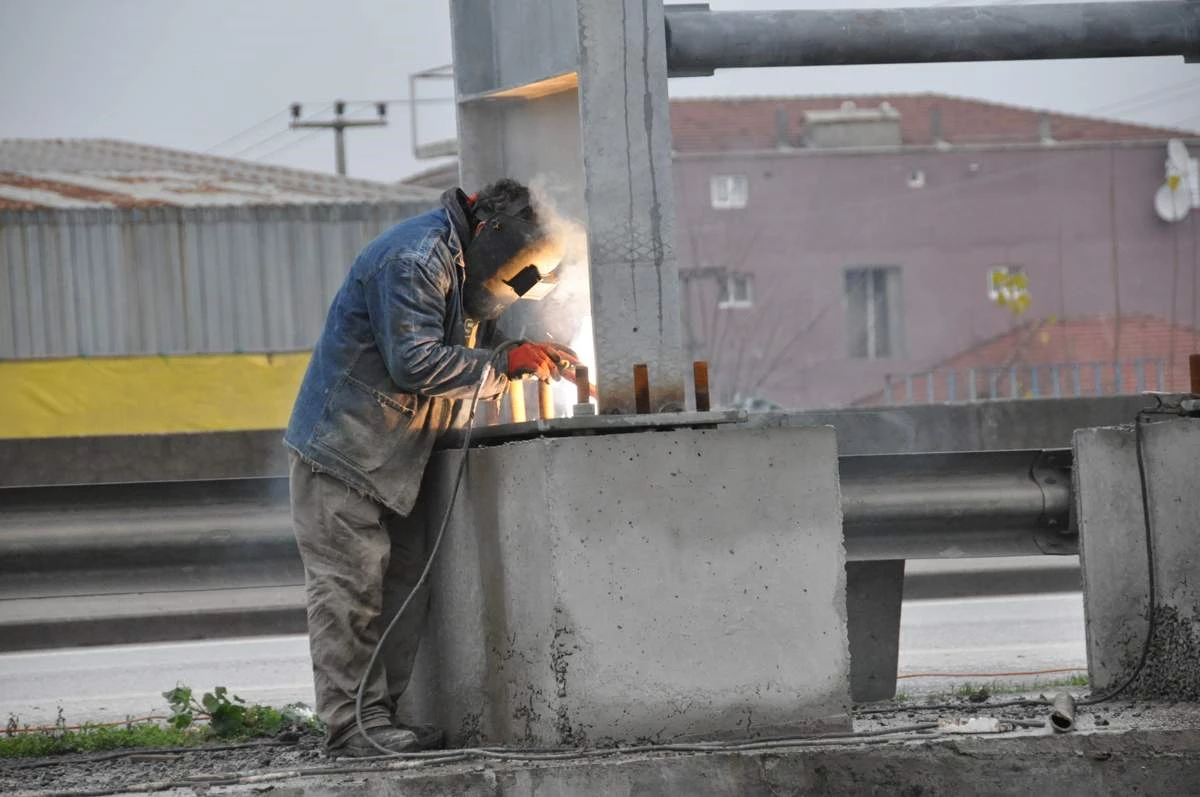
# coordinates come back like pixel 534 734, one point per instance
pixel 542 360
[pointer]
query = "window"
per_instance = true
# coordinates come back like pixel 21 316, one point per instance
pixel 737 290
pixel 874 317
pixel 728 191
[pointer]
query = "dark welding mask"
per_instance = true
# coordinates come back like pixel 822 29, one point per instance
pixel 508 259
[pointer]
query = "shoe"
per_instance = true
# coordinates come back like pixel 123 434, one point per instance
pixel 429 737
pixel 394 740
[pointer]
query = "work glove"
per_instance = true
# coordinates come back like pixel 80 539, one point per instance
pixel 545 361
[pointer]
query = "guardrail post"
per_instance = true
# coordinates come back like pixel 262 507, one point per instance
pixel 873 594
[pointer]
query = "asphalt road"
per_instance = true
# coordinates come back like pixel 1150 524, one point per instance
pixel 974 636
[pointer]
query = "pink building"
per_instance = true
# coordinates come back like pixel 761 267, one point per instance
pixel 828 249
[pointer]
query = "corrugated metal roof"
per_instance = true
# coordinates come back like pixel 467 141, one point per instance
pixel 73 173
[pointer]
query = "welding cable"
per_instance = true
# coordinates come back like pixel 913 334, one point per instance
pixel 64 761
pixel 382 764
pixel 437 542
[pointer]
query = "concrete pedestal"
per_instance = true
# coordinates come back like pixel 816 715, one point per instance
pixel 642 586
pixel 1113 556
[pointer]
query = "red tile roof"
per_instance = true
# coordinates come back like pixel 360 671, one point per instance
pixel 1088 342
pixel 733 123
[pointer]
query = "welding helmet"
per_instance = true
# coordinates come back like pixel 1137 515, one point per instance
pixel 509 258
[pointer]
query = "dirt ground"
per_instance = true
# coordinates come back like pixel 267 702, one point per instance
pixel 1111 744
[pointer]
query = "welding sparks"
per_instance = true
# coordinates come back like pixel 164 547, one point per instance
pixel 564 392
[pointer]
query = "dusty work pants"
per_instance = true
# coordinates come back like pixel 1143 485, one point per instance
pixel 360 562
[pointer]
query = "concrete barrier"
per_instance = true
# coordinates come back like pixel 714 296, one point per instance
pixel 1123 588
pixel 655 585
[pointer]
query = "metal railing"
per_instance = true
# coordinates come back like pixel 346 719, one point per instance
pixel 97 564
pixel 1053 380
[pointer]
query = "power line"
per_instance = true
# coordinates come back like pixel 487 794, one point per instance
pixel 396 101
pixel 270 137
pixel 1147 101
pixel 244 132
pixel 295 142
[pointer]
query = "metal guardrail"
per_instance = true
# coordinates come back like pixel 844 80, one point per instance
pixel 237 532
pixel 1052 380
pixel 118 544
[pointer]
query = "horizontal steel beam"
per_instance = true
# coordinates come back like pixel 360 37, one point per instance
pixel 700 41
pixel 954 505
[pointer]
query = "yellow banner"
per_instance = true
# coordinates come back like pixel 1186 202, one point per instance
pixel 148 395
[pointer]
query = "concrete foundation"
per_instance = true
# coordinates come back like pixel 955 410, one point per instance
pixel 1113 555
pixel 639 586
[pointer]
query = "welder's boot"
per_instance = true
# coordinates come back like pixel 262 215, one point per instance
pixel 429 737
pixel 393 740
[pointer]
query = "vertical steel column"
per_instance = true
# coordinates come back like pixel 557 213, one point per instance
pixel 626 137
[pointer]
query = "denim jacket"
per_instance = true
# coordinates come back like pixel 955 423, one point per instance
pixel 393 361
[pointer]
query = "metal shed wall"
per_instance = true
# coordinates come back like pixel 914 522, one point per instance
pixel 171 280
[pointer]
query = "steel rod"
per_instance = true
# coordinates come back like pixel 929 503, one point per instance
pixel 701 41
pixel 545 400
pixel 516 400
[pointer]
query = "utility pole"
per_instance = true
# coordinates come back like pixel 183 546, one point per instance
pixel 338 124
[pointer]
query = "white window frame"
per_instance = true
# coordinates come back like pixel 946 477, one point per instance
pixel 736 292
pixel 728 191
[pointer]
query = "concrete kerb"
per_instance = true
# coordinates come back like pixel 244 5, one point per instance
pixel 1151 761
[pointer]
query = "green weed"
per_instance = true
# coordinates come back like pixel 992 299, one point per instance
pixel 216 715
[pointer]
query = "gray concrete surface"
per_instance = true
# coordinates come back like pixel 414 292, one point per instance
pixel 1121 608
pixel 655 585
pixel 1148 754
pixel 107 683
pixel 110 683
pixel 946 643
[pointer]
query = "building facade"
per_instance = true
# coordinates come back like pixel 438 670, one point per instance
pixel 829 250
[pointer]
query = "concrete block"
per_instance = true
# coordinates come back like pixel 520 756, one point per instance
pixel 1113 556
pixel 655 585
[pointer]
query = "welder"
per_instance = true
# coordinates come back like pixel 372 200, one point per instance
pixel 396 366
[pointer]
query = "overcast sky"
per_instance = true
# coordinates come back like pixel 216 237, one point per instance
pixel 194 73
